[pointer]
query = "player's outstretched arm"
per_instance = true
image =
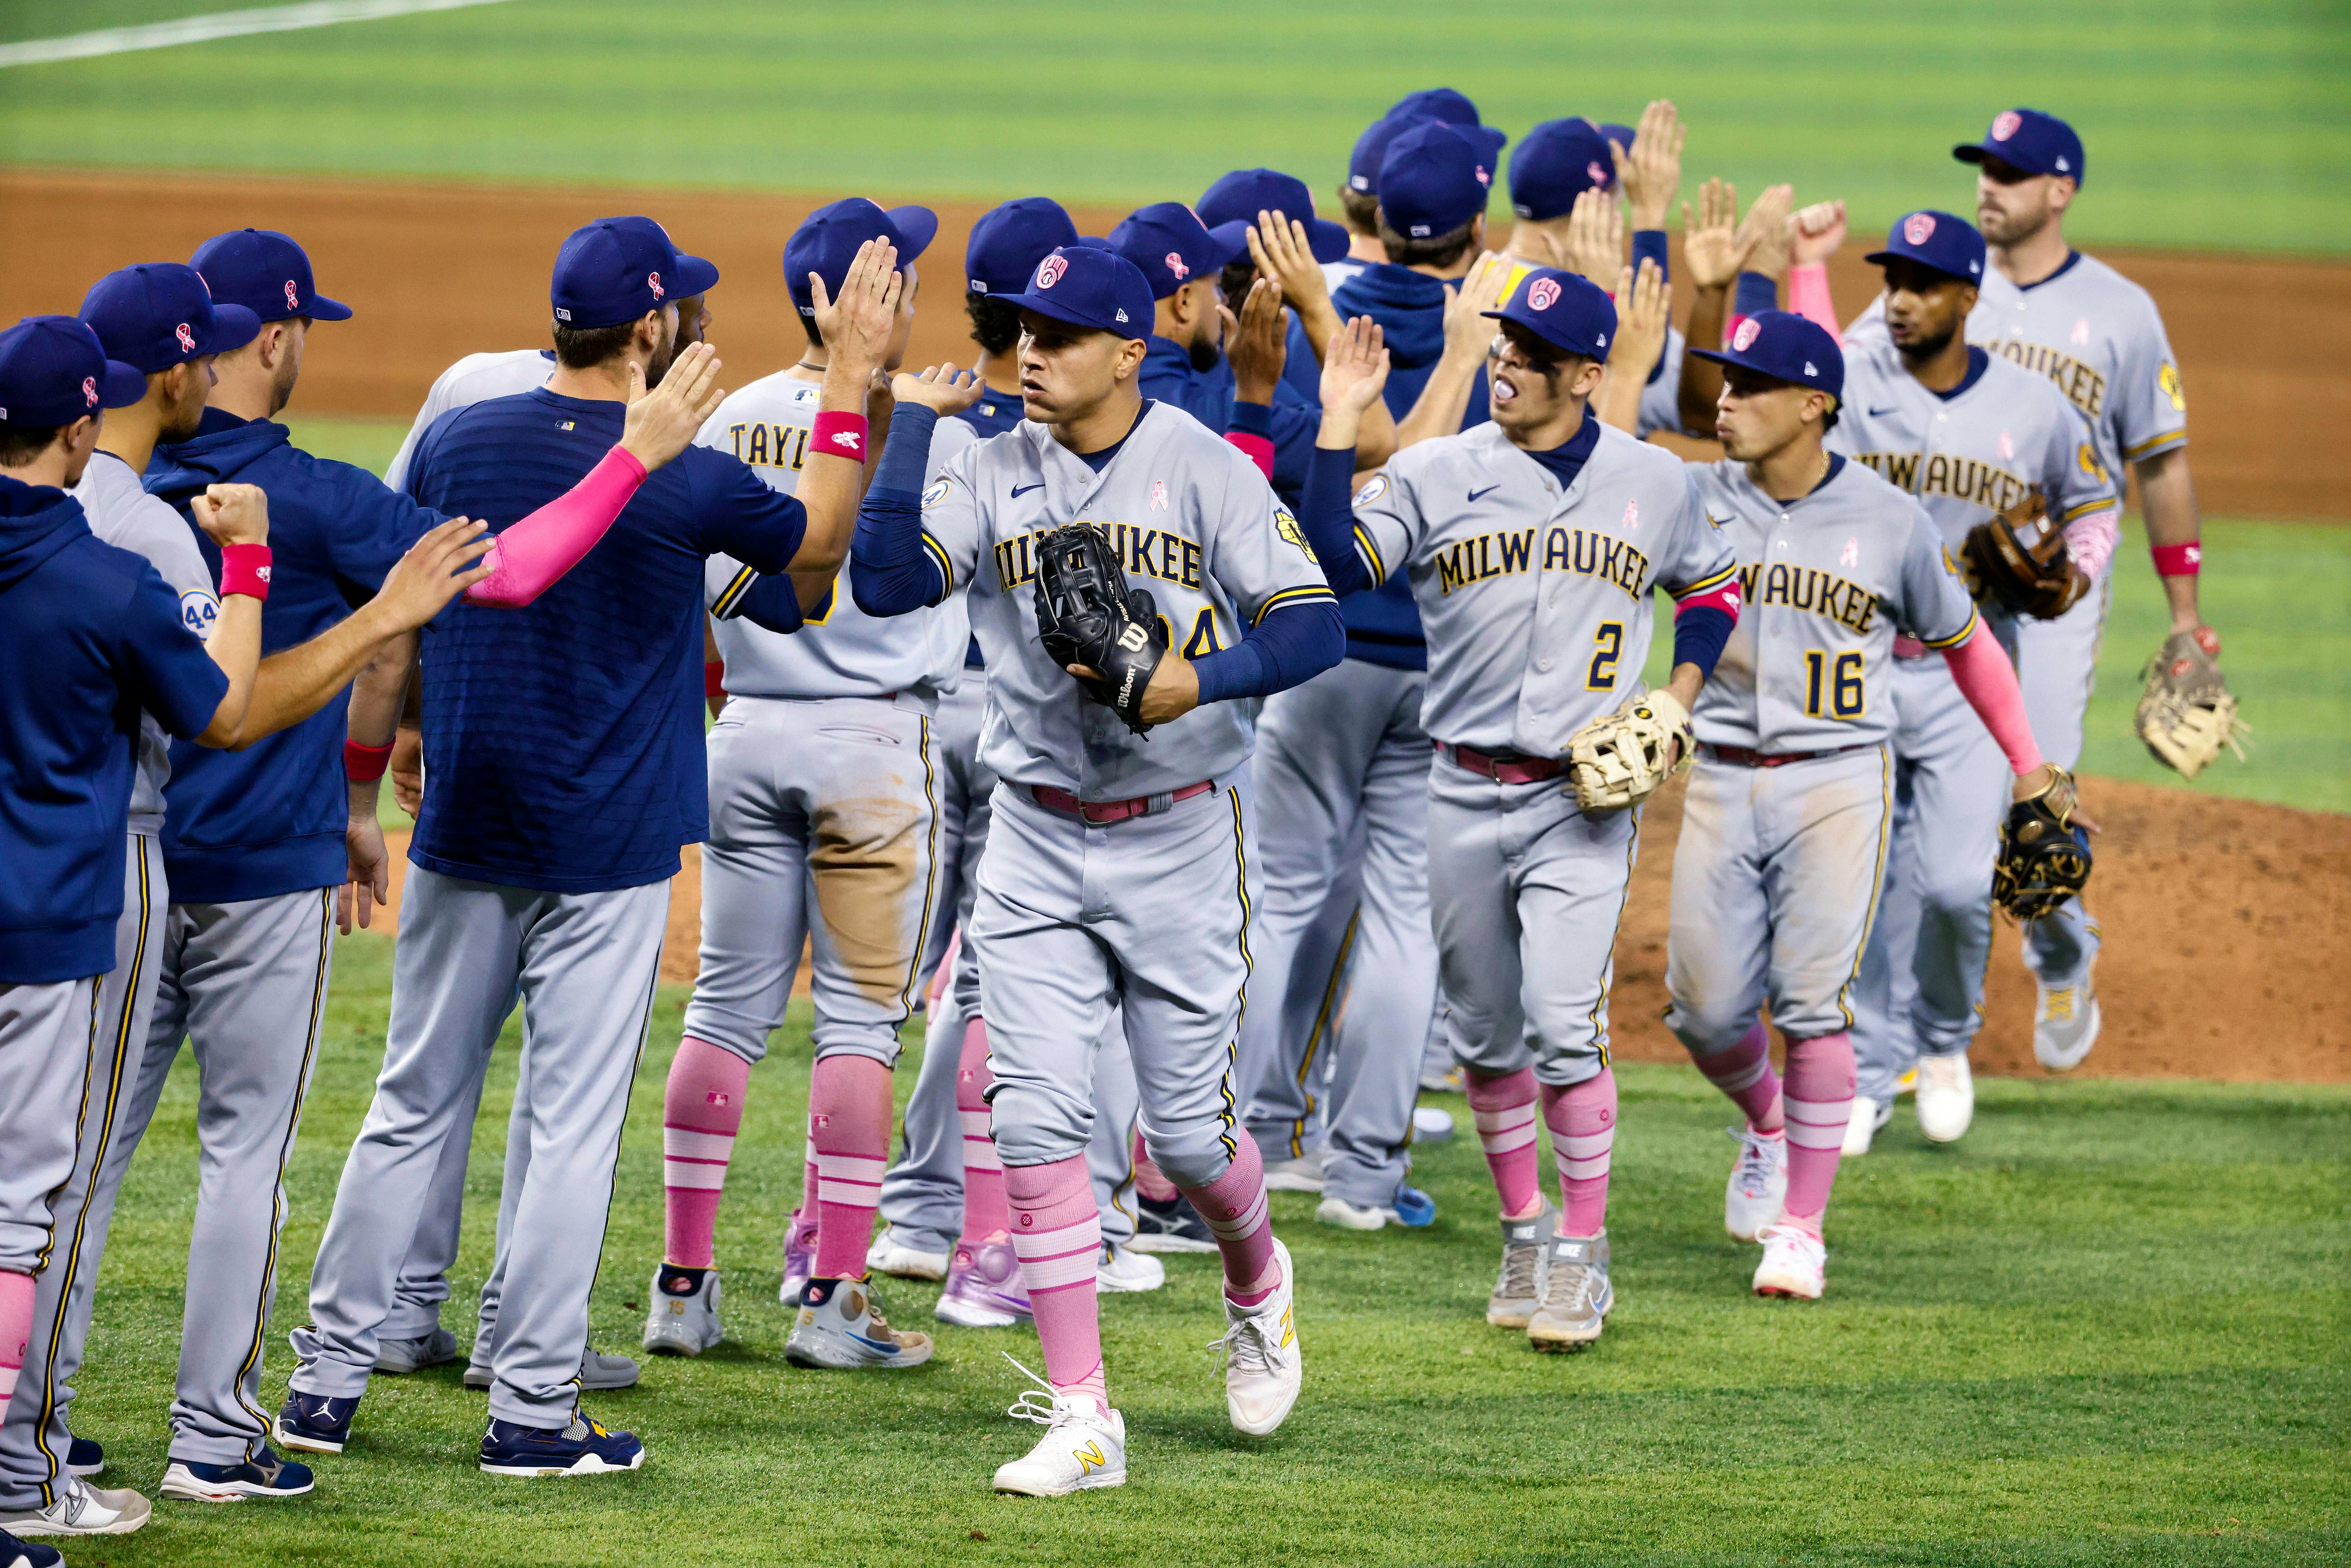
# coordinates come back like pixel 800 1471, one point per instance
pixel 890 572
pixel 379 692
pixel 856 332
pixel 2175 532
pixel 1353 379
pixel 1641 310
pixel 235 518
pixel 1815 234
pixel 1714 249
pixel 1279 247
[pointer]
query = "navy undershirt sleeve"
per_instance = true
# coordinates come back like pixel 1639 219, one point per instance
pixel 1700 633
pixel 773 602
pixel 1294 644
pixel 1650 245
pixel 1328 517
pixel 890 573
pixel 1754 292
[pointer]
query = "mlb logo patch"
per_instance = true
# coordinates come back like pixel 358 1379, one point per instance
pixel 1543 293
pixel 1050 270
pixel 1917 228
pixel 2006 124
pixel 1744 339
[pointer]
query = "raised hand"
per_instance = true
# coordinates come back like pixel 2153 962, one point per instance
pixel 1467 331
pixel 1816 234
pixel 856 327
pixel 1650 171
pixel 1595 237
pixel 233 514
pixel 1643 308
pixel 1766 223
pixel 1277 245
pixel 663 423
pixel 436 568
pixel 1357 369
pixel 942 389
pixel 1713 246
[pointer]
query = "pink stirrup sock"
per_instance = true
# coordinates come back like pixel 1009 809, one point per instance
pixel 702 1111
pixel 1235 1207
pixel 531 556
pixel 848 1135
pixel 1057 1236
pixel 1744 1074
pixel 16 1329
pixel 1504 1109
pixel 1583 1122
pixel 1820 1102
pixel 1148 1181
pixel 984 1211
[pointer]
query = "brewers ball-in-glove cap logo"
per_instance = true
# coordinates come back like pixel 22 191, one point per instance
pixel 159 313
pixel 2004 124
pixel 1084 286
pixel 1565 310
pixel 1787 347
pixel 1050 270
pixel 1918 227
pixel 1744 339
pixel 2028 140
pixel 1941 240
pixel 1542 294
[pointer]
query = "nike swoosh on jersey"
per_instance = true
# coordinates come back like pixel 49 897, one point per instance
pixel 1486 491
pixel 1874 413
pixel 1020 490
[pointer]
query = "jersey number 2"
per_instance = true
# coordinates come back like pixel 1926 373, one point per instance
pixel 1607 647
pixel 1842 679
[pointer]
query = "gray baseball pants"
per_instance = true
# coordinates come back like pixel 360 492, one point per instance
pixel 584 967
pixel 34 1440
pixel 1345 962
pixel 2058 667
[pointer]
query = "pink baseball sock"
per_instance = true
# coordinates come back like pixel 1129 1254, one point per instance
pixel 1056 1235
pixel 1504 1108
pixel 1820 1102
pixel 848 1137
pixel 984 1212
pixel 1148 1181
pixel 1583 1122
pixel 1744 1074
pixel 1234 1206
pixel 16 1330
pixel 701 1110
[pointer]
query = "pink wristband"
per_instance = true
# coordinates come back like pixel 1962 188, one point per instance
pixel 244 568
pixel 839 435
pixel 365 764
pixel 2177 560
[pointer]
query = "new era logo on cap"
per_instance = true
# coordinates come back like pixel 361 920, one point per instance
pixel 1918 227
pixel 2005 123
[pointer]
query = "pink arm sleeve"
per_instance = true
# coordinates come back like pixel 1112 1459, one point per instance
pixel 1258 450
pixel 1987 681
pixel 1808 296
pixel 532 556
pixel 2091 539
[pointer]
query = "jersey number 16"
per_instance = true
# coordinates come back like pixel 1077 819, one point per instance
pixel 1842 679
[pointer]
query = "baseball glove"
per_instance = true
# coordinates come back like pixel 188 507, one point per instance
pixel 2044 860
pixel 1085 615
pixel 2018 561
pixel 1619 759
pixel 2186 714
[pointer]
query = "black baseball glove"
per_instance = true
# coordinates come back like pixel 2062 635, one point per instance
pixel 2044 859
pixel 1086 615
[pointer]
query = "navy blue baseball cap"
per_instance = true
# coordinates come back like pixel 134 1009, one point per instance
pixel 827 242
pixel 1240 195
pixel 1620 134
pixel 1436 177
pixel 1555 162
pixel 1565 310
pixel 160 314
pixel 1938 240
pixel 1170 247
pixel 1436 103
pixel 265 272
pixel 2035 143
pixel 1786 346
pixel 53 370
pixel 1372 150
pixel 1009 242
pixel 616 269
pixel 1087 287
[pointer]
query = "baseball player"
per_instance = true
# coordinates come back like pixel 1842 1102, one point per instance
pixel 824 789
pixel 2099 339
pixel 1533 546
pixel 1119 870
pixel 562 773
pixel 1359 196
pixel 1968 433
pixel 94 637
pixel 1785 822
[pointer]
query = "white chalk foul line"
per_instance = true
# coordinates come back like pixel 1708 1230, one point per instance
pixel 218 24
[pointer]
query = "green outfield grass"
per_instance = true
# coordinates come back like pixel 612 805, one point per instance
pixel 2279 594
pixel 2211 124
pixel 2106 1328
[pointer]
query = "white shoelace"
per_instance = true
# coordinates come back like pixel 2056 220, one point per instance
pixel 1580 1277
pixel 1519 1261
pixel 1245 1344
pixel 1754 1170
pixel 1042 1405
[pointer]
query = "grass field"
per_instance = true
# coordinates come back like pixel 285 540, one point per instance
pixel 2207 124
pixel 2104 1329
pixel 2279 594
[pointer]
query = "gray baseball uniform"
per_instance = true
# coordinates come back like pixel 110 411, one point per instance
pixel 1149 914
pixel 1777 871
pixel 475 379
pixel 1537 603
pixel 1964 455
pixel 43 1066
pixel 34 1438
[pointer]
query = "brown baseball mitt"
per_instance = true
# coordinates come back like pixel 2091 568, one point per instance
pixel 2017 560
pixel 2186 714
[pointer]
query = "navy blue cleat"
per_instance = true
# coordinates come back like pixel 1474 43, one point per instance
pixel 314 1424
pixel 85 1457
pixel 585 1447
pixel 263 1475
pixel 16 1553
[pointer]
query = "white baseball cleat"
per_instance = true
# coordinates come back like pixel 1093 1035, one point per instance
pixel 1262 1363
pixel 888 1255
pixel 1868 1115
pixel 1795 1262
pixel 82 1509
pixel 1303 1173
pixel 2065 1025
pixel 1431 1124
pixel 1759 1183
pixel 1124 1270
pixel 682 1324
pixel 1085 1445
pixel 841 1326
pixel 1947 1097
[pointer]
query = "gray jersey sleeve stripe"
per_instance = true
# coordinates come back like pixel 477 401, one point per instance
pixel 2084 509
pixel 1290 596
pixel 1705 583
pixel 722 607
pixel 947 568
pixel 2155 443
pixel 1956 638
pixel 1371 554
